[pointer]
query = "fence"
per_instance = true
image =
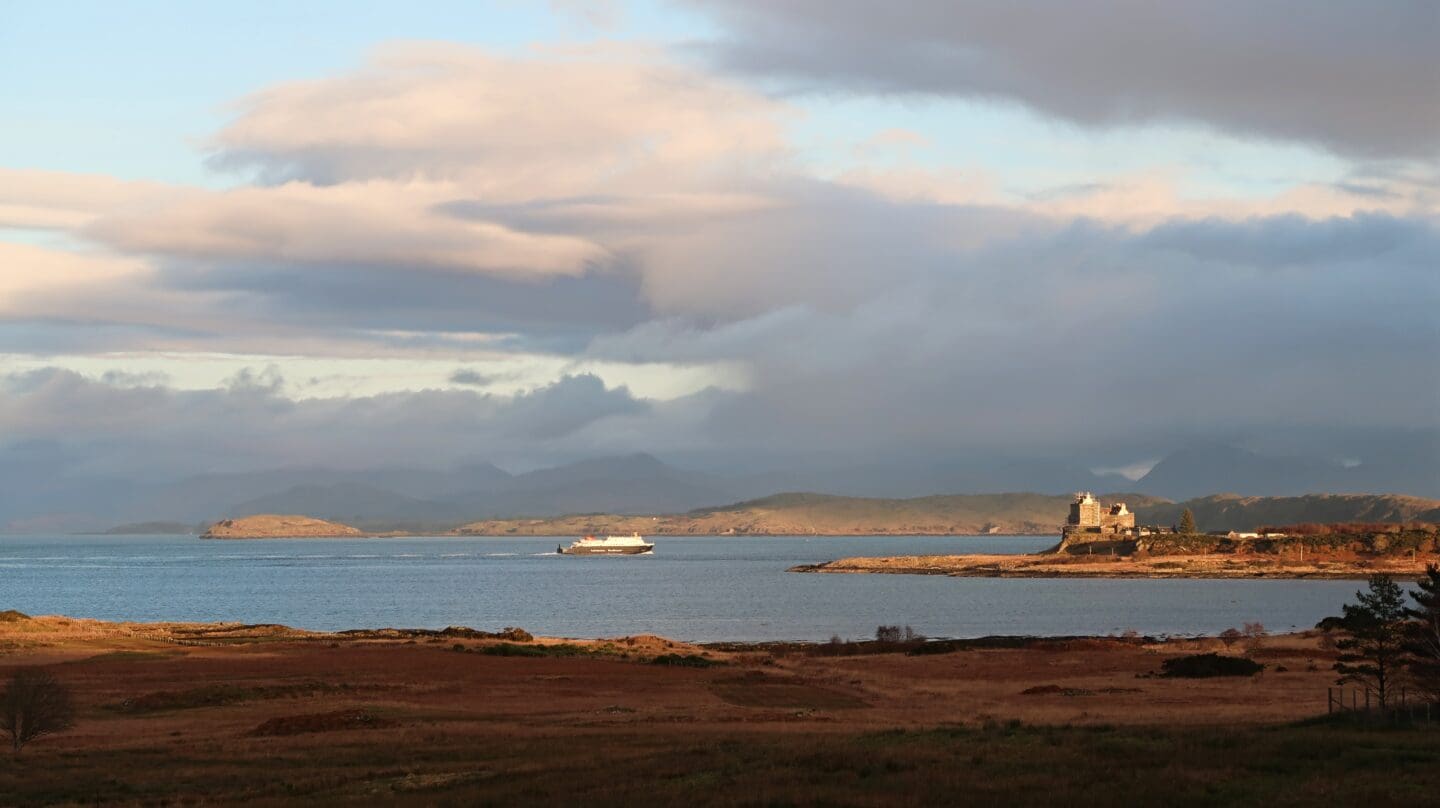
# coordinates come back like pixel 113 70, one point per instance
pixel 1401 705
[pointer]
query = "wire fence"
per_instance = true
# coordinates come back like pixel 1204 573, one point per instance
pixel 1400 705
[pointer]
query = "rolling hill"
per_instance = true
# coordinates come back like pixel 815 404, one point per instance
pixel 964 514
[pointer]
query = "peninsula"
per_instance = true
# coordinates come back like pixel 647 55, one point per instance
pixel 1105 542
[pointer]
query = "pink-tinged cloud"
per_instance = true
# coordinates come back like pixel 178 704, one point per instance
pixel 552 123
pixel 380 222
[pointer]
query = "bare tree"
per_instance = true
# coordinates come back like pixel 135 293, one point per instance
pixel 1255 635
pixel 35 703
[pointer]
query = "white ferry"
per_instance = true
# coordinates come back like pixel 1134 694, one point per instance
pixel 633 544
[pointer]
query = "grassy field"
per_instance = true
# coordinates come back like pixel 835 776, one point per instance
pixel 176 714
pixel 1000 764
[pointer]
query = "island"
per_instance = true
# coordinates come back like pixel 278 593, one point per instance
pixel 278 526
pixel 1100 541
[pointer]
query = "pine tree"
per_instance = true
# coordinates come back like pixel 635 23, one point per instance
pixel 1372 652
pixel 1187 522
pixel 1422 639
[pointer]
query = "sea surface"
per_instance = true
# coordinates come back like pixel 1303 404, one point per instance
pixel 692 588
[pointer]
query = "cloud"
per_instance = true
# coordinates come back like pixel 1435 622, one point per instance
pixel 1355 77
pixel 472 378
pixel 127 427
pixel 553 123
pixel 603 14
pixel 372 223
pixel 560 409
pixel 1084 338
pixel 605 209
pixel 28 270
pixel 60 200
pixel 1373 239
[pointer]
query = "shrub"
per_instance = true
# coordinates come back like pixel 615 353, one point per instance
pixel 12 616
pixel 891 634
pixel 939 647
pixel 511 649
pixel 685 661
pixel 1203 666
pixel 34 704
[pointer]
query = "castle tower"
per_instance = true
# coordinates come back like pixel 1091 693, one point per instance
pixel 1085 510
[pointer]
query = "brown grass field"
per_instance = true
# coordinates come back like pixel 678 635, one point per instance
pixel 223 714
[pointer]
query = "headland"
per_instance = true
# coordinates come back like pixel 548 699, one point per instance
pixel 1106 542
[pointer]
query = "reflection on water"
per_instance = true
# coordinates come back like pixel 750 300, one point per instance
pixel 693 588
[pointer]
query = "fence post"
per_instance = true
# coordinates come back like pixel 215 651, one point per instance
pixel 1329 700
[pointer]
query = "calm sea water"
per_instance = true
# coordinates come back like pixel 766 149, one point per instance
pixel 692 588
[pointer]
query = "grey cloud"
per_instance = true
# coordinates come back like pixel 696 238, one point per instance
pixel 1089 340
pixel 1295 240
pixel 154 431
pixel 866 325
pixel 1354 76
pixel 569 404
pixel 472 378
pixel 558 314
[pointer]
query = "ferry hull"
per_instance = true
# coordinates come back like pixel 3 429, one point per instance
pixel 641 550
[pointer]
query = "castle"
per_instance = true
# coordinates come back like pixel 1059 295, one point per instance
pixel 1088 515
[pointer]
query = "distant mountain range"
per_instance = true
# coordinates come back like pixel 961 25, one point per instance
pixel 632 484
pixel 1207 469
pixel 37 495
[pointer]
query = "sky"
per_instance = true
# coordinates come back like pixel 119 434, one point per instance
pixel 736 232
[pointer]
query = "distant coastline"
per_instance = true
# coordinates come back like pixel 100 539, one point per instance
pixel 803 514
